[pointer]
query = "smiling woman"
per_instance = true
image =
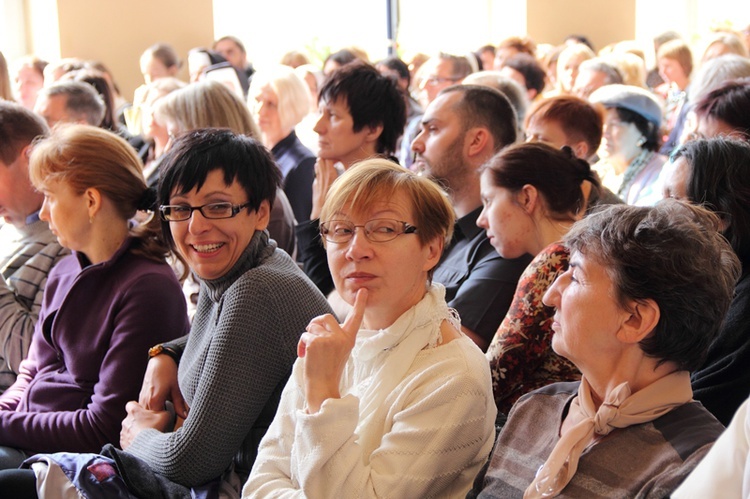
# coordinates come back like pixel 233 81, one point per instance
pixel 225 378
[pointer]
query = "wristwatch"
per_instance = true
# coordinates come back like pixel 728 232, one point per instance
pixel 162 349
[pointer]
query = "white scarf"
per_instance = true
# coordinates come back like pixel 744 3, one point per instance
pixel 381 358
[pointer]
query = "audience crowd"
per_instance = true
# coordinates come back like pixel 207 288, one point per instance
pixel 517 272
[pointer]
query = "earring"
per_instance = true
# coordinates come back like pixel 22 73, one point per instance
pixel 91 219
pixel 641 141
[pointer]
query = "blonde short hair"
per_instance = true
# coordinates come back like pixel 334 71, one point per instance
pixel 373 180
pixel 291 91
pixel 207 104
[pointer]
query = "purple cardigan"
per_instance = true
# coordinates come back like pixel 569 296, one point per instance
pixel 89 352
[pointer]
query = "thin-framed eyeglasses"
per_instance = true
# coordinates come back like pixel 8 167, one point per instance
pixel 212 211
pixel 377 230
pixel 434 81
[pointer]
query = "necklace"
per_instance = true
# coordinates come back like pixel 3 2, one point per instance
pixel 633 169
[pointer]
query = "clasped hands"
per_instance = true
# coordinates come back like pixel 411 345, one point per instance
pixel 159 386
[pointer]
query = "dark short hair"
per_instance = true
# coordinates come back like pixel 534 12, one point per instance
pixel 581 120
pixel 395 64
pixel 232 39
pixel 530 68
pixel 372 99
pixel 165 53
pixel 82 100
pixel 671 253
pixel 647 128
pixel 719 179
pixel 341 57
pixel 580 39
pixel 97 80
pixel 556 174
pixel 522 45
pixel 486 107
pixel 197 153
pixel 18 128
pixel 729 103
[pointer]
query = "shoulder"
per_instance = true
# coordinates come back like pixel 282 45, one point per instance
pixel 67 266
pixel 140 268
pixel 459 362
pixel 688 428
pixel 552 260
pixel 277 280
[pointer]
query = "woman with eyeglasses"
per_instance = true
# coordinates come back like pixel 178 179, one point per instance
pixel 395 401
pixel 103 305
pixel 223 381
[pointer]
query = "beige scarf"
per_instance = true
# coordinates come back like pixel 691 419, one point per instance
pixel 620 409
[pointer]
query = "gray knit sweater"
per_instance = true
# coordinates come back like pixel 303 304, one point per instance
pixel 236 361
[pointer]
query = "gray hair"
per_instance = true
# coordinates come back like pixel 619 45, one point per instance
pixel 716 71
pixel 612 72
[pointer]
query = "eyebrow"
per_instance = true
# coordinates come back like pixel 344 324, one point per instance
pixel 207 194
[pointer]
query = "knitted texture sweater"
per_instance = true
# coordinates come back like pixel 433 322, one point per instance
pixel 428 436
pixel 237 359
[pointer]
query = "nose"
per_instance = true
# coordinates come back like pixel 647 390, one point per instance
pixel 44 211
pixel 359 246
pixel 320 127
pixel 197 223
pixel 417 145
pixel 482 220
pixel 551 297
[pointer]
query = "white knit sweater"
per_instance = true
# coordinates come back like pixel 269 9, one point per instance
pixel 428 437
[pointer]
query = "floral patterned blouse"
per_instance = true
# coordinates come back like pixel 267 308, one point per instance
pixel 520 355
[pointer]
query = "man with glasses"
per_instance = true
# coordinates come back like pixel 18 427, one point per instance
pixel 461 129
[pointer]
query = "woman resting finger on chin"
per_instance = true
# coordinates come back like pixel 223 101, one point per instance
pixel 396 400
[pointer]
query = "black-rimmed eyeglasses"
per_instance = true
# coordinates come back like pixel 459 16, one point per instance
pixel 180 212
pixel 377 230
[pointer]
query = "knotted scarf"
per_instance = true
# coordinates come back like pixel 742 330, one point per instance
pixel 620 409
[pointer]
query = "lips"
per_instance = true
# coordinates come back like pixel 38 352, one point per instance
pixel 206 248
pixel 359 277
pixel 555 326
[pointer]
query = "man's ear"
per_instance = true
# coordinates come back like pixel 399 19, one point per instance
pixel 478 140
pixel 644 316
pixel 26 152
pixel 581 149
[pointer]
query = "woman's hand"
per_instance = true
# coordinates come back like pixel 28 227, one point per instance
pixel 160 384
pixel 325 174
pixel 326 347
pixel 139 419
